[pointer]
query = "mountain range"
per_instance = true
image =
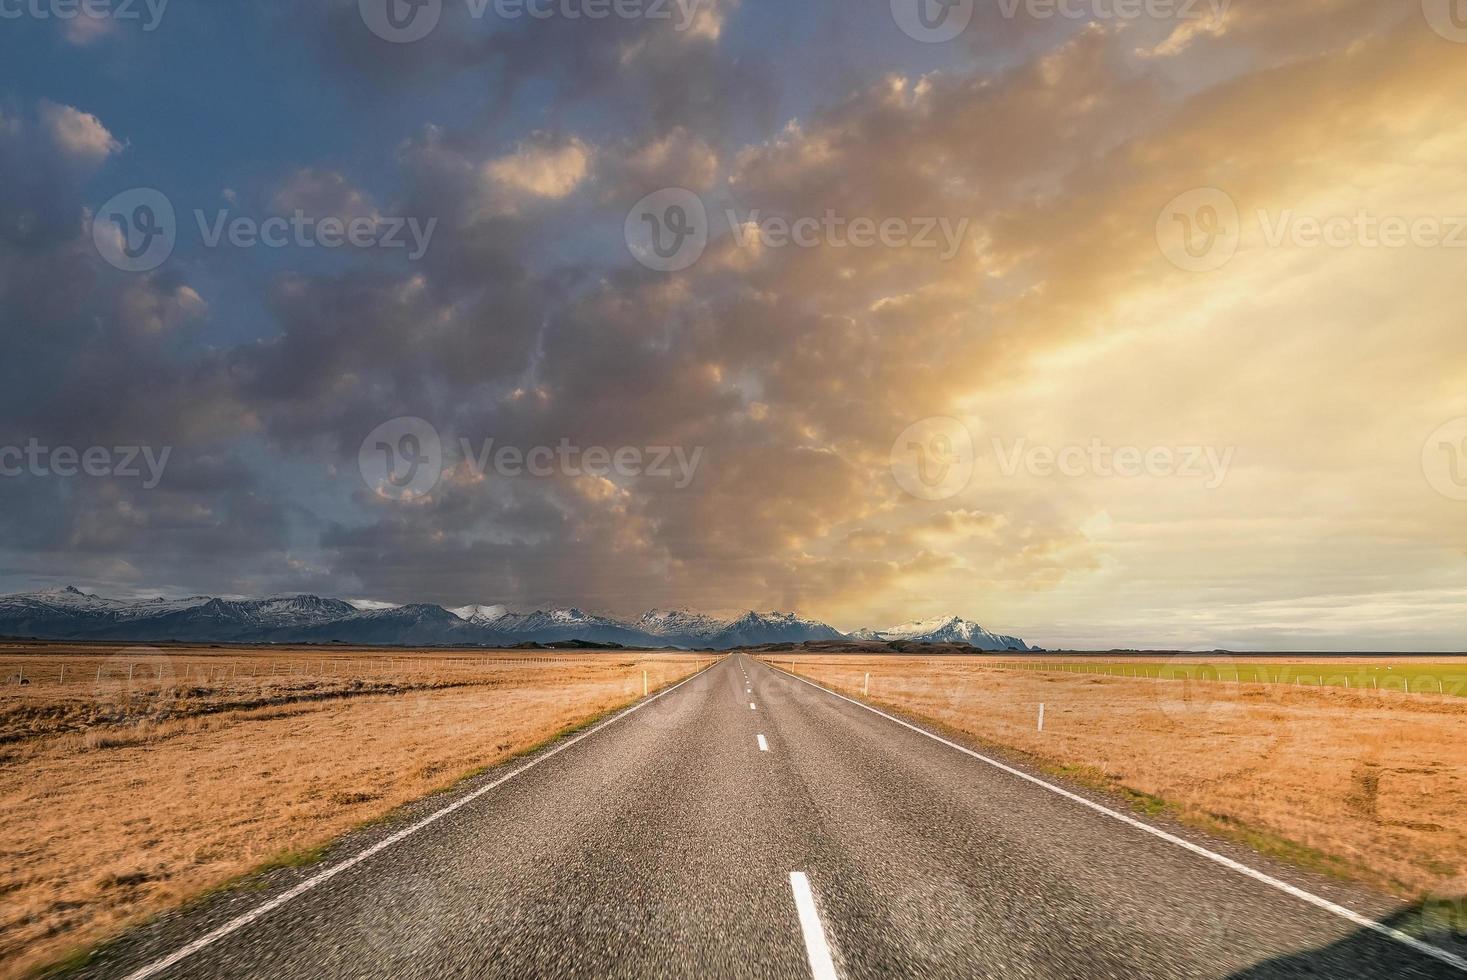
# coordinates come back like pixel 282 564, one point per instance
pixel 70 614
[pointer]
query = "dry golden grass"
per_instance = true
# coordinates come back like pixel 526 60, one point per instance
pixel 123 798
pixel 1368 784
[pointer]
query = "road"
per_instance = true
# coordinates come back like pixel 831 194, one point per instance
pixel 748 824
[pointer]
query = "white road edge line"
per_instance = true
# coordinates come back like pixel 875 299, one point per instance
pixel 1365 922
pixel 817 950
pixel 234 925
pixel 763 744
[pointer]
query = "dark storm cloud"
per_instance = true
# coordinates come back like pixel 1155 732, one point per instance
pixel 207 525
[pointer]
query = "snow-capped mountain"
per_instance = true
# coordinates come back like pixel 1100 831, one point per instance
pixel 71 614
pixel 234 620
pixel 681 624
pixel 411 625
pixel 68 609
pixel 753 629
pixel 945 629
pixel 565 625
pixel 690 629
pixel 480 615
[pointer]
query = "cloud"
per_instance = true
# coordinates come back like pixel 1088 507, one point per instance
pixel 678 158
pixel 661 71
pixel 322 193
pixel 1058 320
pixel 80 136
pixel 46 154
pixel 544 167
pixel 85 30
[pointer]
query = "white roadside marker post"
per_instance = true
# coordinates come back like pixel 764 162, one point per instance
pixel 644 683
pixel 1041 717
pixel 866 688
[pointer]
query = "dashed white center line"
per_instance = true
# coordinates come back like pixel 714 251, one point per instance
pixel 822 967
pixel 763 744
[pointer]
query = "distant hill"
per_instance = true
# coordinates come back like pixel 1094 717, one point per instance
pixel 70 614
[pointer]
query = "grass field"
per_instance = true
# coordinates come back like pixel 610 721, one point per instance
pixel 1407 676
pixel 133 780
pixel 1367 783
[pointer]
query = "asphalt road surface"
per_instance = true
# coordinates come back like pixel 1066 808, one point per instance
pixel 748 824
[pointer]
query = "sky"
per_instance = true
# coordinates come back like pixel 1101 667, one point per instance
pixel 1102 324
